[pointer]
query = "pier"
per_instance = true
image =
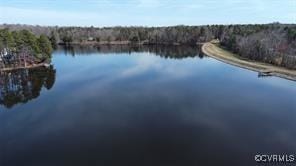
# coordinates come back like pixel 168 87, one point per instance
pixel 19 61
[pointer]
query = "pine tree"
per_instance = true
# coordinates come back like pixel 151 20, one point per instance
pixel 53 39
pixel 44 45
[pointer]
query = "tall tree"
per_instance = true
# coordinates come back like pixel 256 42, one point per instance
pixel 44 45
pixel 53 39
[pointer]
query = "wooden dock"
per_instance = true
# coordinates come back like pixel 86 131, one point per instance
pixel 20 61
pixel 25 67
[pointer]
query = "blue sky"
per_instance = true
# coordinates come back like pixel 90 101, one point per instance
pixel 146 12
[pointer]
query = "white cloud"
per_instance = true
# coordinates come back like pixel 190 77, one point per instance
pixel 148 12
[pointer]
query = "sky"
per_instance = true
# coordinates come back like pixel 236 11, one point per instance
pixel 102 13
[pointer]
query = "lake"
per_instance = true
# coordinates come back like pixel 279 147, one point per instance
pixel 119 105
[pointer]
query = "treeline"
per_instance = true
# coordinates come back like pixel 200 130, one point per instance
pixel 16 42
pixel 271 43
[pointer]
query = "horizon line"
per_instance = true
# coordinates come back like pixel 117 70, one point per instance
pixel 147 26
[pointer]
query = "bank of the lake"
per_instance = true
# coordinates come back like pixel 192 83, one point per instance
pixel 214 50
pixel 25 67
pixel 125 103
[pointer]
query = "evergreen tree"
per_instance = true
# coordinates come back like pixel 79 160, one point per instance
pixel 6 39
pixel 30 41
pixel 17 41
pixel 44 45
pixel 53 39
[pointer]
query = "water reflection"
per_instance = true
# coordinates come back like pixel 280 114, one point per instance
pixel 172 52
pixel 134 108
pixel 21 86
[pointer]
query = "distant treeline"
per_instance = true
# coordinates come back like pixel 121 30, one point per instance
pixel 271 43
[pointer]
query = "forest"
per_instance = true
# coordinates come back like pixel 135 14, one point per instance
pixel 273 43
pixel 16 42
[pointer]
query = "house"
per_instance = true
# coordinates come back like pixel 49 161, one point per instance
pixel 3 54
pixel 90 39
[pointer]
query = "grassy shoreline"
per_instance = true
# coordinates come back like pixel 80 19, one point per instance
pixel 213 50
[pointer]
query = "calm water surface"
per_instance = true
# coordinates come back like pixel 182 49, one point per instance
pixel 143 106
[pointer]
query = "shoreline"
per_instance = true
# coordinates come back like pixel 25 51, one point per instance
pixel 24 67
pixel 102 43
pixel 212 50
